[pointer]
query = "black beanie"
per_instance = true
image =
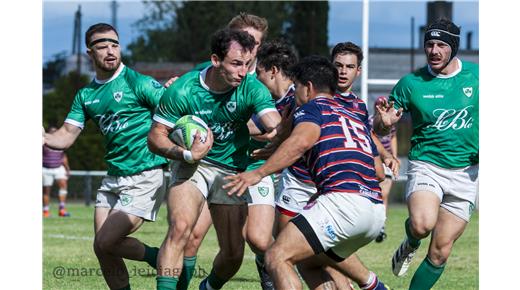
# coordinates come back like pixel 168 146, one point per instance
pixel 445 31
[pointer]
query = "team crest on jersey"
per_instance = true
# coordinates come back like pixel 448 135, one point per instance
pixel 156 84
pixel 125 199
pixel 231 106
pixel 118 96
pixel 263 191
pixel 468 91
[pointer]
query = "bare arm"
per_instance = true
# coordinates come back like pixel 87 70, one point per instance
pixel 301 139
pixel 380 171
pixel 63 138
pixel 270 121
pixel 160 144
pixel 393 145
pixel 387 158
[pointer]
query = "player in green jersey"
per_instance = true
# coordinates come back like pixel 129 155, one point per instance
pixel 121 103
pixel 225 97
pixel 442 185
pixel 258 227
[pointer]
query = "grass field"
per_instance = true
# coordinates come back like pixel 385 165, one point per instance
pixel 69 261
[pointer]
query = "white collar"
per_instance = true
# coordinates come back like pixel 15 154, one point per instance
pixel 202 77
pixel 115 75
pixel 446 76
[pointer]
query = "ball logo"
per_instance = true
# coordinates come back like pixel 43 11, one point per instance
pixel 118 96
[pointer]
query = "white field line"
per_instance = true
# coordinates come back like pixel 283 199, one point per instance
pixel 57 236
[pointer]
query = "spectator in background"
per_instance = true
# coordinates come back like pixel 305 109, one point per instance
pixel 389 142
pixel 55 168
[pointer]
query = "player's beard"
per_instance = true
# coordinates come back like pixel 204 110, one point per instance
pixel 106 67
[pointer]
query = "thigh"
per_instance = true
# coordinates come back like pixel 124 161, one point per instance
pixel 292 245
pixel 229 221
pixel 114 224
pixel 260 219
pixel 184 202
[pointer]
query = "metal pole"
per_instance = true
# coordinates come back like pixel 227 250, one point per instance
pixel 364 64
pixel 412 50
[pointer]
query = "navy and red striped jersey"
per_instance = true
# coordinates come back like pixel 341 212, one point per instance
pixel 342 159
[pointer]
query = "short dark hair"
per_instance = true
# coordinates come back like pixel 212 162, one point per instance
pixel 318 70
pixel 245 20
pixel 98 28
pixel 221 40
pixel 347 48
pixel 276 53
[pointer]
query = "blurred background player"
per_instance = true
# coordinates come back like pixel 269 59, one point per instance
pixel 55 168
pixel 121 102
pixel 442 185
pixel 389 141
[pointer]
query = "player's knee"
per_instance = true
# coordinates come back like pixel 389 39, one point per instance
pixel 439 253
pixel 193 245
pixel 259 241
pixel 421 227
pixel 179 231
pixel 102 245
pixel 233 259
pixel 273 259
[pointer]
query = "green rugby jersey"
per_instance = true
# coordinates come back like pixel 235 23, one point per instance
pixel 226 113
pixel 444 112
pixel 122 108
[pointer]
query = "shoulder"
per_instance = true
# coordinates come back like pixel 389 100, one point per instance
pixel 137 79
pixel 184 84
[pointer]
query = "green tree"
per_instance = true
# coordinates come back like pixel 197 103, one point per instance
pixel 87 152
pixel 308 31
pixel 181 31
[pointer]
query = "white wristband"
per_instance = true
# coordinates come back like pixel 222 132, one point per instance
pixel 187 156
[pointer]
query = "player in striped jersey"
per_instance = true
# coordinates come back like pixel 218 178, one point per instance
pixel 347 211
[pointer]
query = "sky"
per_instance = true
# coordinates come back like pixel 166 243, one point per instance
pixel 390 22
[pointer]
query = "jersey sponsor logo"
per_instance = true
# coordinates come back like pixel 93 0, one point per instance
pixel 299 114
pixel 468 92
pixel 451 118
pixel 433 96
pixel 110 123
pixel 118 96
pixel 231 106
pixel 223 131
pixel 329 230
pixel 203 112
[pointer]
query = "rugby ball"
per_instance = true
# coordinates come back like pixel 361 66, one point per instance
pixel 185 129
